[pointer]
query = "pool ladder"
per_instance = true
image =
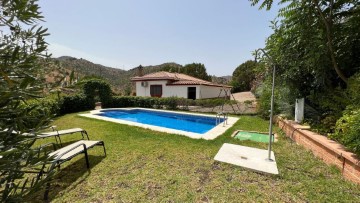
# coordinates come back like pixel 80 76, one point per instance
pixel 218 118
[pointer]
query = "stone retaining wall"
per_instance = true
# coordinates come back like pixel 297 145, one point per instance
pixel 328 150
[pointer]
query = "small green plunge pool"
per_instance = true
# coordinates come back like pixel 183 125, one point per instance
pixel 253 136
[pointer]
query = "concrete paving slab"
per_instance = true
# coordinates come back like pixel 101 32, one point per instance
pixel 247 157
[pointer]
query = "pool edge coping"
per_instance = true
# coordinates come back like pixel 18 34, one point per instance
pixel 210 135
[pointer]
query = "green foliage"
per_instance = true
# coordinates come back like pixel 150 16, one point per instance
pixel 316 49
pixel 76 103
pixel 97 90
pixel 129 101
pixel 300 45
pixel 265 4
pixel 347 130
pixel 263 104
pixel 50 105
pixel 22 56
pixel 353 89
pixel 243 75
pixel 171 103
pixel 197 70
pixel 328 106
pixel 212 102
pixel 283 100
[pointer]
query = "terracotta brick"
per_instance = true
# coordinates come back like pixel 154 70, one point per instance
pixel 329 151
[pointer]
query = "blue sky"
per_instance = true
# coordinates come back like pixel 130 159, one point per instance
pixel 125 34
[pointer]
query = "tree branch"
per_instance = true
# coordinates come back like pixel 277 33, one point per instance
pixel 328 27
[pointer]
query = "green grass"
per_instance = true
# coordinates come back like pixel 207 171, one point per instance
pixel 149 166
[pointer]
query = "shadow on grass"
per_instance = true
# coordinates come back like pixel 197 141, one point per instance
pixel 70 175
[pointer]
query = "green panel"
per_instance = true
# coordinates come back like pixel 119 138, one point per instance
pixel 253 136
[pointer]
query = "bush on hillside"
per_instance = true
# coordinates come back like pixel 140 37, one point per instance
pixel 48 104
pixel 347 129
pixel 129 101
pixel 98 90
pixel 76 103
pixel 40 107
pixel 170 103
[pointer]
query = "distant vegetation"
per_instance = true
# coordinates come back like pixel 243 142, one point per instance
pixel 243 76
pixel 197 70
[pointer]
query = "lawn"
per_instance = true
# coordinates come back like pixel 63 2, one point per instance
pixel 149 166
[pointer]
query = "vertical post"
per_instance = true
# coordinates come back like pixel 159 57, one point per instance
pixel 271 115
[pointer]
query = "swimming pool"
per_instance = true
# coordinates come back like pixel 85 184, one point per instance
pixel 185 122
pixel 189 124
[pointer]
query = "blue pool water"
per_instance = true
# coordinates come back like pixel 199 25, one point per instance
pixel 185 122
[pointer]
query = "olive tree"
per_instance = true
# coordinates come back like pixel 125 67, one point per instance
pixel 22 56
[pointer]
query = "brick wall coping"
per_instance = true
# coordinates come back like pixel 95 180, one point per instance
pixel 329 144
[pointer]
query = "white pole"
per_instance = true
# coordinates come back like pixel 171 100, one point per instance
pixel 272 102
pixel 271 114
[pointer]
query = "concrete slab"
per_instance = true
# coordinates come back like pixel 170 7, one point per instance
pixel 247 157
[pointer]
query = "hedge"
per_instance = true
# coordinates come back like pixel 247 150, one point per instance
pixel 81 102
pixel 170 103
pixel 76 103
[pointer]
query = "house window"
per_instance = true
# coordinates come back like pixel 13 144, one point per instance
pixel 156 90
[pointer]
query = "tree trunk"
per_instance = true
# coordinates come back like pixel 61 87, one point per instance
pixel 329 39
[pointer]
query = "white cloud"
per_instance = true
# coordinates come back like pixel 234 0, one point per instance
pixel 58 50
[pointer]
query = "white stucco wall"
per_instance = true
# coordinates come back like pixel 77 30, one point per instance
pixel 145 91
pixel 202 92
pixel 168 91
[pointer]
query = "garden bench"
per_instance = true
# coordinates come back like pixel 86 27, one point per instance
pixel 68 152
pixel 57 133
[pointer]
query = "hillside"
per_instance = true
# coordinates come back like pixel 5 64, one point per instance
pixel 118 78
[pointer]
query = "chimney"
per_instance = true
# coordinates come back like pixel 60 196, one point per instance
pixel 140 71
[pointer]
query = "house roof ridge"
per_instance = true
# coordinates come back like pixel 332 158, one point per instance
pixel 179 78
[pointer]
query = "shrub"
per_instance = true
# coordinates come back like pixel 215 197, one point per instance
pixel 213 102
pixel 76 103
pixel 129 101
pixel 98 90
pixel 170 103
pixel 46 104
pixel 41 107
pixel 353 89
pixel 347 129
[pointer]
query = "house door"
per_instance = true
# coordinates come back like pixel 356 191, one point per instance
pixel 191 92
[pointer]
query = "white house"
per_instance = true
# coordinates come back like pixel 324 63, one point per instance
pixel 166 84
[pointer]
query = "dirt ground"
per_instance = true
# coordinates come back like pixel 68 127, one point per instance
pixel 246 105
pixel 244 96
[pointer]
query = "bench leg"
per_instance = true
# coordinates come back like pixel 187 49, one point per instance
pixel 84 132
pixel 58 136
pixel 86 158
pixel 47 188
pixel 103 144
pixel 104 149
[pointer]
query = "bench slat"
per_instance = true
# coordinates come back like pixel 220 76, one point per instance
pixel 60 132
pixel 74 152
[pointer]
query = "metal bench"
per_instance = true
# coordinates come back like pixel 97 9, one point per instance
pixel 57 133
pixel 68 152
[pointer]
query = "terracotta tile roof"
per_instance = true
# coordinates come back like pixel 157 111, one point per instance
pixel 176 79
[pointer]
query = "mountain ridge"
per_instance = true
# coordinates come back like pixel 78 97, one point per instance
pixel 118 78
